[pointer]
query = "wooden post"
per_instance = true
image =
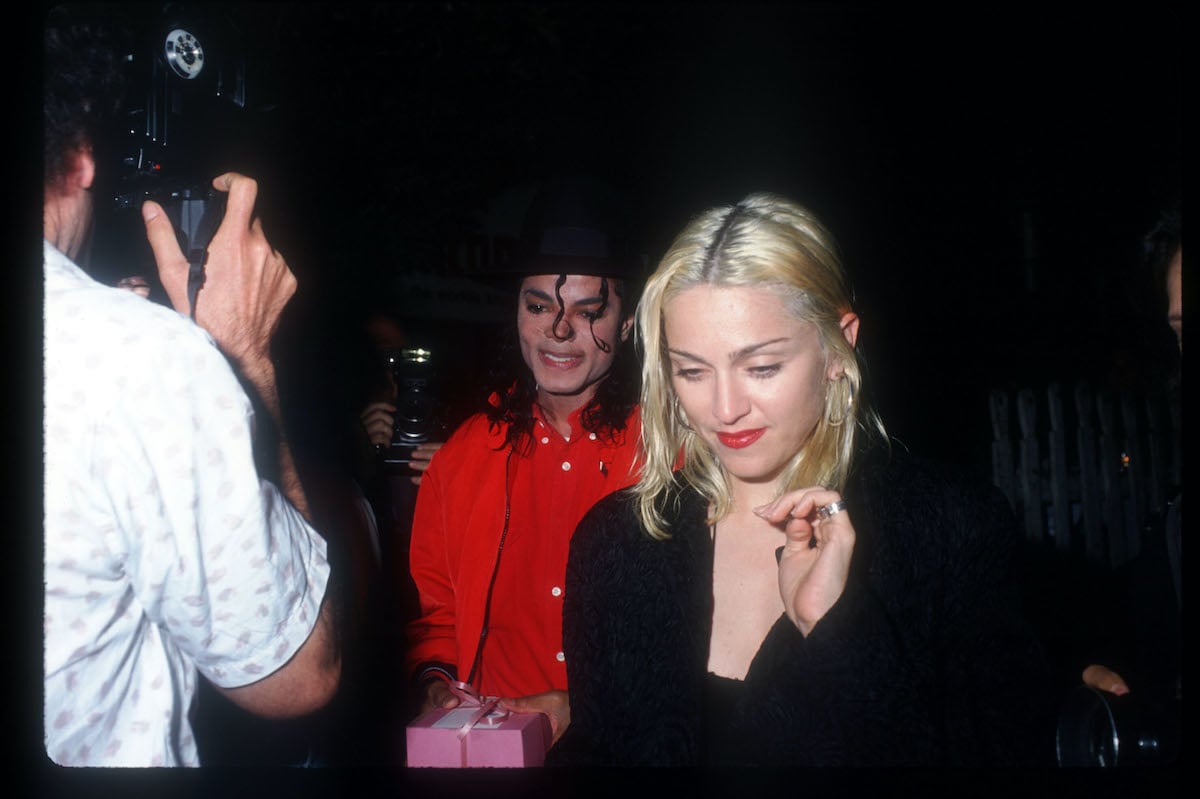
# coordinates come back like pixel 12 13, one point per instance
pixel 1110 480
pixel 1060 498
pixel 1030 472
pixel 1089 479
pixel 1133 471
pixel 1175 438
pixel 1156 459
pixel 1002 455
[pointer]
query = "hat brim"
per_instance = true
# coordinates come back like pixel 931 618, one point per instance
pixel 569 265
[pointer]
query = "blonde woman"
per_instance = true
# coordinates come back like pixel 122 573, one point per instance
pixel 801 591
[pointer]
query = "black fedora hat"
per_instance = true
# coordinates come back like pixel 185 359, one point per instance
pixel 575 226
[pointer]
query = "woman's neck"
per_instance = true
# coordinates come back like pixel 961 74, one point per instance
pixel 748 496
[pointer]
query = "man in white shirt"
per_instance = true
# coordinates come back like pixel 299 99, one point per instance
pixel 166 553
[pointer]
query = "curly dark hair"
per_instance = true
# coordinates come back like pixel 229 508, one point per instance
pixel 512 384
pixel 83 85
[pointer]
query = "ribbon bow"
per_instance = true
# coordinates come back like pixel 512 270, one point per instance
pixel 487 712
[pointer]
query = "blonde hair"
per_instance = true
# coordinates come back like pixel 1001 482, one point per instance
pixel 764 241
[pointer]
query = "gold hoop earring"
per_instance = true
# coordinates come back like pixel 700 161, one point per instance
pixel 832 422
pixel 677 412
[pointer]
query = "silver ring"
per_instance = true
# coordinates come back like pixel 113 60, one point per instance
pixel 833 508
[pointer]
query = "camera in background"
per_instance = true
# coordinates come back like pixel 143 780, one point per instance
pixel 418 418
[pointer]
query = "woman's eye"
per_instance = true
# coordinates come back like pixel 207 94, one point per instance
pixel 688 374
pixel 763 372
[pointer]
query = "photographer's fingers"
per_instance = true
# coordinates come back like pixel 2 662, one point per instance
pixel 379 433
pixel 378 420
pixel 373 407
pixel 423 453
pixel 421 456
pixel 242 192
pixel 172 265
pixel 248 282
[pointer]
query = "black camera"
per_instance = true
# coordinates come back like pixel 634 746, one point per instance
pixel 417 419
pixel 1099 729
pixel 185 107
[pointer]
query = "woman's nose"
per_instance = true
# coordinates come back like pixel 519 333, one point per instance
pixel 730 402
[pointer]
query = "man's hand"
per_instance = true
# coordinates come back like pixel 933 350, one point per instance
pixel 438 695
pixel 1103 678
pixel 554 704
pixel 247 283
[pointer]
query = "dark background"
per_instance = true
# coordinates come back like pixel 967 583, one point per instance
pixel 989 173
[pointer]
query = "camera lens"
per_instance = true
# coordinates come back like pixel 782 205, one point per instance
pixel 412 375
pixel 1097 729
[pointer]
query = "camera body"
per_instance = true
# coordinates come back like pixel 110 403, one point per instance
pixel 417 419
pixel 185 107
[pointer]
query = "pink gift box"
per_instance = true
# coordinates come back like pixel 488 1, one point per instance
pixel 510 740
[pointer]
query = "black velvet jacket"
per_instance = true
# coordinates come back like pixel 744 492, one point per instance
pixel 924 660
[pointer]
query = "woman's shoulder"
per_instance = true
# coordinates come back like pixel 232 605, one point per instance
pixel 612 547
pixel 616 518
pixel 615 513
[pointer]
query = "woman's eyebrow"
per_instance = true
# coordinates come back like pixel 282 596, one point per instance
pixel 734 356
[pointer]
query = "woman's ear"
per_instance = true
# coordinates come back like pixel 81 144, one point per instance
pixel 849 326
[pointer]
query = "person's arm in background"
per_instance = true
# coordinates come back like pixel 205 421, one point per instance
pixel 247 286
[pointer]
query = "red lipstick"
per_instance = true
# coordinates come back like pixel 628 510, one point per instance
pixel 742 438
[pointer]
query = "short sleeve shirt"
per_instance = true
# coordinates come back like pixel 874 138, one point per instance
pixel 165 553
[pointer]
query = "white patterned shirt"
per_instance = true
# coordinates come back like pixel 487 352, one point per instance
pixel 164 551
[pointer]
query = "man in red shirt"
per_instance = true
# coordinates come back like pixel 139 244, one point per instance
pixel 500 500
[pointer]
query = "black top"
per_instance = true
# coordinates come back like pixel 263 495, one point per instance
pixel 721 695
pixel 925 659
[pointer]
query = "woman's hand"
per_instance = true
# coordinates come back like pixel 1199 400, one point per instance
pixel 379 419
pixel 554 704
pixel 815 561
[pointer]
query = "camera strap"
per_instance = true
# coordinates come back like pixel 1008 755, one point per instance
pixel 197 247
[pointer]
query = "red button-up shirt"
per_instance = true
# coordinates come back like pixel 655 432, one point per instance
pixel 457 526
